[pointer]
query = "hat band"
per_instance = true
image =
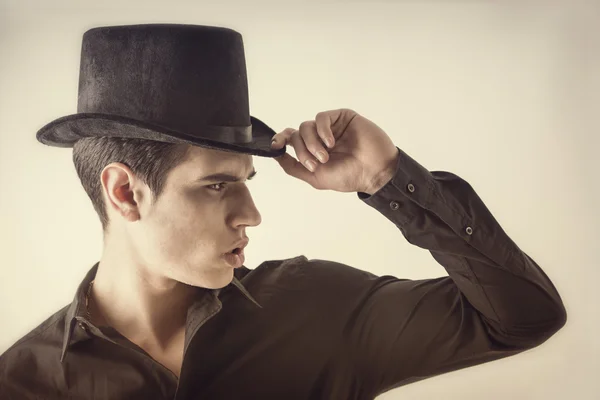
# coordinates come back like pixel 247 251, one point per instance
pixel 96 124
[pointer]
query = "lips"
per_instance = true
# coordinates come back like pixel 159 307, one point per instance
pixel 239 246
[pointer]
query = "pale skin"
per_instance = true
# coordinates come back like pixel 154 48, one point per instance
pixel 156 253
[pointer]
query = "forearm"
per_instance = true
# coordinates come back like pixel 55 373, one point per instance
pixel 441 212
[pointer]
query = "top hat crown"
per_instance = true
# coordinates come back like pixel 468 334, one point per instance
pixel 167 82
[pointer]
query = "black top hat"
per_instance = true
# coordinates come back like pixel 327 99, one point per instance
pixel 166 82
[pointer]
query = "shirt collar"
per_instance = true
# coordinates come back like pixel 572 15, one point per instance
pixel 77 309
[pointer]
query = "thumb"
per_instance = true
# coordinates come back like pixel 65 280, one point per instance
pixel 294 168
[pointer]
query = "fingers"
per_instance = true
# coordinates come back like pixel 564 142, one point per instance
pixel 323 122
pixel 313 138
pixel 282 138
pixel 292 167
pixel 309 147
pixel 306 143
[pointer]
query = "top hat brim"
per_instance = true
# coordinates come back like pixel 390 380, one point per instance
pixel 65 131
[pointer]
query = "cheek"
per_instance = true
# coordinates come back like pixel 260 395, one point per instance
pixel 184 224
pixel 176 210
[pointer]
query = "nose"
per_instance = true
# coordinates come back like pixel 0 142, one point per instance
pixel 244 211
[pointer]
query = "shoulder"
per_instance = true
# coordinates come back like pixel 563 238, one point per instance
pixel 316 276
pixel 314 269
pixel 45 338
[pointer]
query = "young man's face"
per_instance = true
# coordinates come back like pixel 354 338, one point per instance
pixel 185 233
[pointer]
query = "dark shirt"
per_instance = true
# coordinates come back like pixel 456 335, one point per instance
pixel 316 329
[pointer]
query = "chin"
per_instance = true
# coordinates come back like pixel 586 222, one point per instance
pixel 217 279
pixel 216 285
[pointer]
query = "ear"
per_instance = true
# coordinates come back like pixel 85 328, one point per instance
pixel 121 190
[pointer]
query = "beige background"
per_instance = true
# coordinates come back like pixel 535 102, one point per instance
pixel 503 95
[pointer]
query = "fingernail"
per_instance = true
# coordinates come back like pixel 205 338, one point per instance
pixel 321 156
pixel 273 142
pixel 328 142
pixel 311 165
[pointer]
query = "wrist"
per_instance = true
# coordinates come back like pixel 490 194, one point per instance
pixel 381 178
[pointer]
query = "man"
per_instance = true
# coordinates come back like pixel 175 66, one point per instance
pixel 163 144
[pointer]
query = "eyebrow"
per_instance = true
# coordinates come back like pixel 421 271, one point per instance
pixel 221 177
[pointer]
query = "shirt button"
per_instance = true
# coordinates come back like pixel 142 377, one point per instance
pixel 394 205
pixel 469 230
pixel 411 187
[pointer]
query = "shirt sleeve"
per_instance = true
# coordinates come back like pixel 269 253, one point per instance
pixel 495 302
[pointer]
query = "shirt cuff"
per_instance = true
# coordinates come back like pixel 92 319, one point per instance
pixel 400 198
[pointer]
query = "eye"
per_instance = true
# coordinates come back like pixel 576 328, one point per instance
pixel 217 187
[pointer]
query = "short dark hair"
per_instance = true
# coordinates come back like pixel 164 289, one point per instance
pixel 149 160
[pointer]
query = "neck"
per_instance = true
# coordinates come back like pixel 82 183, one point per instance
pixel 148 309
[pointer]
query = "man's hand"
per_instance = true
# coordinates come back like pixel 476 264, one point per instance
pixel 356 155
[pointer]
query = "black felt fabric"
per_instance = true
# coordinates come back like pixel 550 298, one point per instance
pixel 166 82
